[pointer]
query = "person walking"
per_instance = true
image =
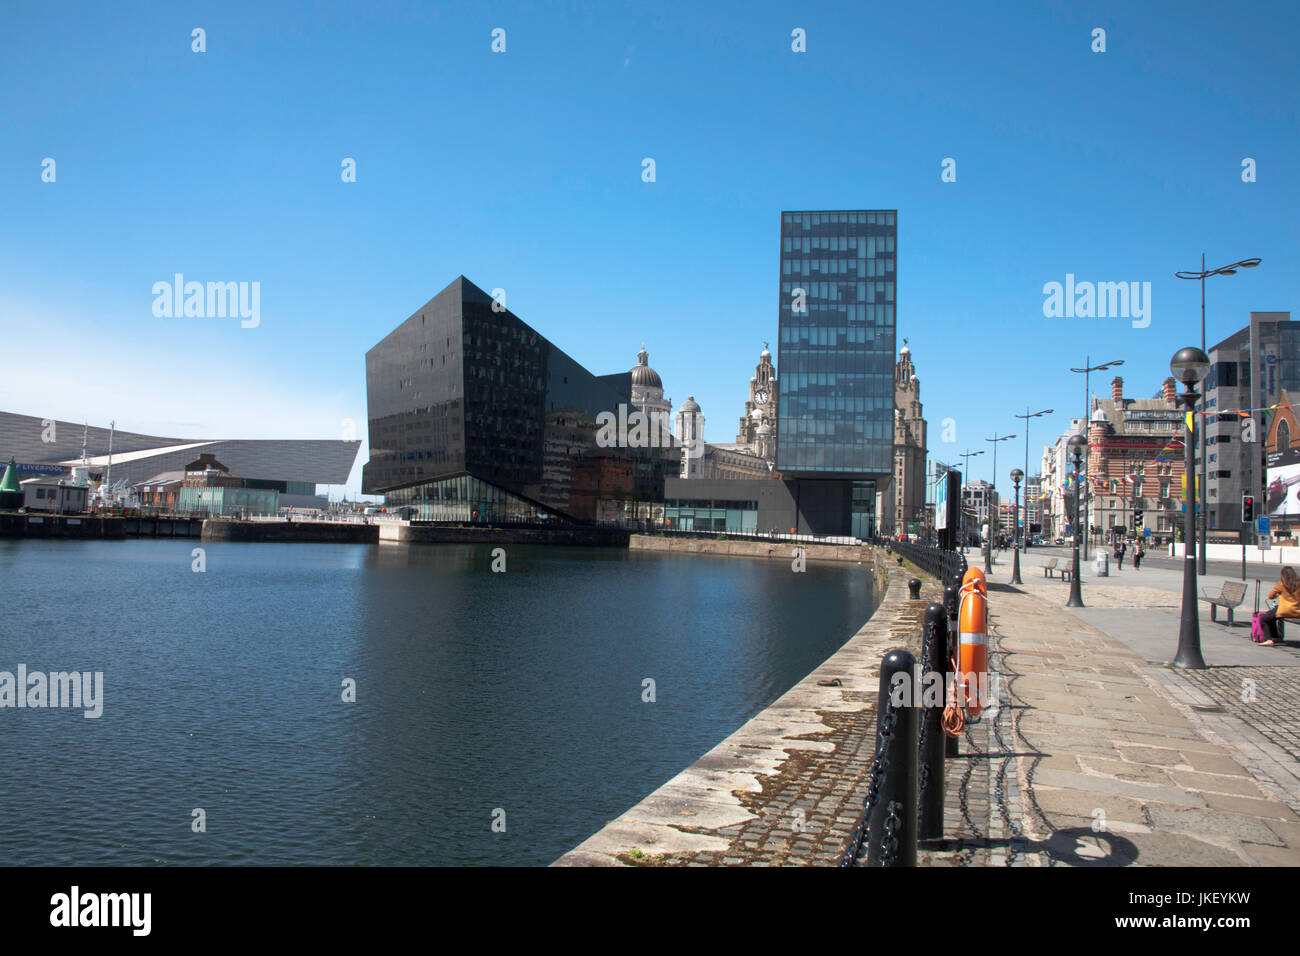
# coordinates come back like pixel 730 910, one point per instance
pixel 1287 593
pixel 1119 554
pixel 1137 555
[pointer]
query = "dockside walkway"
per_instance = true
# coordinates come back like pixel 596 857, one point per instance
pixel 1097 753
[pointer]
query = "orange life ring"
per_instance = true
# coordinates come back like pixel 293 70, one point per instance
pixel 973 663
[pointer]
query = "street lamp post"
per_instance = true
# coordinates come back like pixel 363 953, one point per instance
pixel 1026 417
pixel 966 456
pixel 1087 412
pixel 1016 475
pixel 1201 276
pixel 1077 444
pixel 1189 366
pixel 993 513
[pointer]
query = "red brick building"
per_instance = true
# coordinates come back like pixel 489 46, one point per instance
pixel 1135 462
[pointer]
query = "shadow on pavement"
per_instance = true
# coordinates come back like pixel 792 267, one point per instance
pixel 1080 846
pixel 1076 846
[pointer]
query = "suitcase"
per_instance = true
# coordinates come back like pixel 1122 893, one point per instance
pixel 1257 633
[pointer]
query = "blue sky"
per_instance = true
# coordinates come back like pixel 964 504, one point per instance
pixel 522 170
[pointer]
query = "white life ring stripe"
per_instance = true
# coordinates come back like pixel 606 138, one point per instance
pixel 974 637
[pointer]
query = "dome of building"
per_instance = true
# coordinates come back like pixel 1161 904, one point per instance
pixel 688 405
pixel 904 351
pixel 643 374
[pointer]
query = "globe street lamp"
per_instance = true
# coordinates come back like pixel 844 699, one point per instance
pixel 1077 444
pixel 1016 475
pixel 1087 411
pixel 1201 276
pixel 993 514
pixel 1189 366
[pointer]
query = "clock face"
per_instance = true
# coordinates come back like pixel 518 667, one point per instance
pixel 761 396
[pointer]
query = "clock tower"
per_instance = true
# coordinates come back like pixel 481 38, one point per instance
pixel 758 424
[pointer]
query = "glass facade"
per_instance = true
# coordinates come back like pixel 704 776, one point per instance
pixel 687 515
pixel 463 389
pixel 863 510
pixel 836 357
pixel 467 500
pixel 228 501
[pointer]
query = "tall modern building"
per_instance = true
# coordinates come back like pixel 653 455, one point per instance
pixel 835 424
pixel 1255 368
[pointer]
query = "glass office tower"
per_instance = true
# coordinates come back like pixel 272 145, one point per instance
pixel 836 359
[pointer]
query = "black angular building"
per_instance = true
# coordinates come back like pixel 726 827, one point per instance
pixel 474 416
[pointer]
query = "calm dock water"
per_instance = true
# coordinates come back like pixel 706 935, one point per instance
pixel 476 692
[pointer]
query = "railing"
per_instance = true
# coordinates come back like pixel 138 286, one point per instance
pixel 760 536
pixel 934 561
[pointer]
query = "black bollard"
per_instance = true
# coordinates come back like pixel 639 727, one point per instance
pixel 951 601
pixel 934 661
pixel 891 837
pixel 914 589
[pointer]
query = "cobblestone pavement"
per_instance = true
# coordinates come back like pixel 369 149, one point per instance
pixel 806 813
pixel 1263 697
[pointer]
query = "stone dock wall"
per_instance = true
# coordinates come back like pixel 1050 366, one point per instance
pixel 16 525
pixel 749 549
pixel 295 531
pixel 449 534
pixel 695 811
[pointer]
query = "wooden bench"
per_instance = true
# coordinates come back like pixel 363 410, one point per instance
pixel 1230 596
pixel 1050 567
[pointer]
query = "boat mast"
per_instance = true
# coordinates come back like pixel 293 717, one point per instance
pixel 108 476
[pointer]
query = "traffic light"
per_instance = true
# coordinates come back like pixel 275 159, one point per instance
pixel 1247 509
pixel 1137 518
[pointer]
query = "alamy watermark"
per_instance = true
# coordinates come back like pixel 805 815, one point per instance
pixel 638 429
pixel 1102 300
pixel 127 910
pixel 37 689
pixel 935 688
pixel 213 300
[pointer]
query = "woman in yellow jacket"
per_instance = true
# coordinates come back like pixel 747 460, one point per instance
pixel 1287 592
